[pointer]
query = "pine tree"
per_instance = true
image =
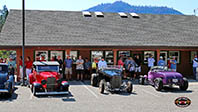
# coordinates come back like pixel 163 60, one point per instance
pixel 3 16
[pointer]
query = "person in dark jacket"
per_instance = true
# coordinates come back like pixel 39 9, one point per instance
pixel 138 65
pixel 11 70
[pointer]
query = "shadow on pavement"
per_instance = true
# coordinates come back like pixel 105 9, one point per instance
pixel 174 90
pixel 66 98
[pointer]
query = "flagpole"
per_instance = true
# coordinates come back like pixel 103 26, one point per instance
pixel 23 37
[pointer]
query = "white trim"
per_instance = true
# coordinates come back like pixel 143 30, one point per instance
pixel 134 15
pixel 86 13
pixel 122 14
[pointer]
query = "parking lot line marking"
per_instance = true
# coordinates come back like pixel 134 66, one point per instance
pixel 150 93
pixel 89 90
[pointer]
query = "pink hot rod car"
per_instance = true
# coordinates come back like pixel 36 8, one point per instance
pixel 160 76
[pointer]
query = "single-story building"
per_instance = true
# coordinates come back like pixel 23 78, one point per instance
pixel 108 35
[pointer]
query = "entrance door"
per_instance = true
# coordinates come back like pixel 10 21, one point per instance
pixel 164 54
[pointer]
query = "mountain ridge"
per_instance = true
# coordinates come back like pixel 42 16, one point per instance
pixel 120 6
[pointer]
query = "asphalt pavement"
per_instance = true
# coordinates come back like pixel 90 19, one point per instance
pixel 85 98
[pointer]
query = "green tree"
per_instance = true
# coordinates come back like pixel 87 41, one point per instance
pixel 3 16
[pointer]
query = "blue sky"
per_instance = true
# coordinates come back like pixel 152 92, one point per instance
pixel 184 6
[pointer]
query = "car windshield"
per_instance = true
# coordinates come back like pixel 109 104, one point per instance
pixel 160 68
pixel 110 71
pixel 44 68
pixel 3 68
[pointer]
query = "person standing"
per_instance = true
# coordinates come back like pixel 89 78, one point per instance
pixel 151 62
pixel 126 64
pixel 87 66
pixel 94 66
pixel 12 62
pixel 120 62
pixel 68 68
pixel 28 65
pixel 195 66
pixel 173 64
pixel 60 61
pixel 131 67
pixel 102 64
pixel 11 72
pixel 79 68
pixel 21 69
pixel 138 64
pixel 161 62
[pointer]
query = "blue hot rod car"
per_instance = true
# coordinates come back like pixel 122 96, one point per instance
pixel 6 80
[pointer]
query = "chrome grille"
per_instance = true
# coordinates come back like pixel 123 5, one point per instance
pixel 51 82
pixel 116 81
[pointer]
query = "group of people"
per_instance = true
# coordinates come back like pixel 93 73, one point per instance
pixel 84 67
pixel 132 67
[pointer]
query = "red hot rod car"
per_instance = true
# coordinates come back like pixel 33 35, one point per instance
pixel 46 79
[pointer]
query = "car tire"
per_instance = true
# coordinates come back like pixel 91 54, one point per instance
pixel 129 87
pixel 33 90
pixel 158 84
pixel 184 86
pixel 94 80
pixel 9 94
pixel 141 80
pixel 102 86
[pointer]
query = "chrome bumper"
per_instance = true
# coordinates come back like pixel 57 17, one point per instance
pixel 52 93
pixel 4 91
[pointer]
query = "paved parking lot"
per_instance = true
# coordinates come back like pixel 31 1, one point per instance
pixel 86 98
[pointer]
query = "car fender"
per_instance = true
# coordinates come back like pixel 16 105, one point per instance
pixel 37 84
pixel 31 78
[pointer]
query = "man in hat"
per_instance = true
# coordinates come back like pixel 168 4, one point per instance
pixel 173 64
pixel 161 62
pixel 151 62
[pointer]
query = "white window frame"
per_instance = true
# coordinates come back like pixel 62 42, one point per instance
pixel 46 53
pixel 146 56
pixel 177 57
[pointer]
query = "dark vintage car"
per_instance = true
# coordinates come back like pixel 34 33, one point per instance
pixel 6 80
pixel 46 79
pixel 160 76
pixel 110 79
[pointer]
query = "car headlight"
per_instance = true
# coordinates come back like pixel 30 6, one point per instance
pixel 43 82
pixel 6 84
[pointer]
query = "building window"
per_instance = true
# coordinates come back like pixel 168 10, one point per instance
pixel 41 55
pixel 109 57
pixel 56 54
pixel 124 54
pixel 73 55
pixel 175 54
pixel 192 55
pixel 96 55
pixel 147 54
pixel 164 54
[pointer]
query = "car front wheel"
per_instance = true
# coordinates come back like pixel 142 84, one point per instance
pixel 141 80
pixel 94 80
pixel 129 87
pixel 184 85
pixel 102 86
pixel 158 84
pixel 33 90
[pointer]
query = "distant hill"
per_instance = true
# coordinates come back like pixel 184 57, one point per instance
pixel 120 6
